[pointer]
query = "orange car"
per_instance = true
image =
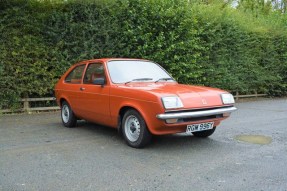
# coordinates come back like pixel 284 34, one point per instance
pixel 140 99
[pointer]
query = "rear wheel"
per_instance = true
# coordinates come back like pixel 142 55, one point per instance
pixel 67 115
pixel 205 133
pixel 135 130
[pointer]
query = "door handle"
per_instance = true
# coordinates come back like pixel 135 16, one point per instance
pixel 82 89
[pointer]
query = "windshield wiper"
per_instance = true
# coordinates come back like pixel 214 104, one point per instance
pixel 139 79
pixel 163 79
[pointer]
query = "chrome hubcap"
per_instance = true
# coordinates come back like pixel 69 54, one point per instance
pixel 132 128
pixel 65 113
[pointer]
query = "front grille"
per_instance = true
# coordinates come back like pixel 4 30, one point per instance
pixel 200 118
pixel 193 119
pixel 191 110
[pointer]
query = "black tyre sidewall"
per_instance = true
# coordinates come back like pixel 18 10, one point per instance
pixel 145 135
pixel 204 134
pixel 72 119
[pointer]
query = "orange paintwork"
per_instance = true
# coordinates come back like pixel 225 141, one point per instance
pixel 103 104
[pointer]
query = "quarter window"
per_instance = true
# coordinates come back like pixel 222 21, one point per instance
pixel 75 76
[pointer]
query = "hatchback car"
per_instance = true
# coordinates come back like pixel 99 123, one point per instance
pixel 140 99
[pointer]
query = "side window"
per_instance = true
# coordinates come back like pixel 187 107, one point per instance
pixel 94 71
pixel 75 76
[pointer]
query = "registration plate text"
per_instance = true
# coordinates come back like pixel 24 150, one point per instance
pixel 199 127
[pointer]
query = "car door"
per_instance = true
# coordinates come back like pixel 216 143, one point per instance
pixel 95 97
pixel 73 85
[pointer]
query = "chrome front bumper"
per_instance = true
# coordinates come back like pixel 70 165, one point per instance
pixel 191 114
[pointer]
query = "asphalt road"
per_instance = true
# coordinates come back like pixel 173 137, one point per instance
pixel 38 153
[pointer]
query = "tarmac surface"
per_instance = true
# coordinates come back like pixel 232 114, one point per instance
pixel 248 151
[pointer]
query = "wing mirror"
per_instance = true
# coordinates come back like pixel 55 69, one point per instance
pixel 99 81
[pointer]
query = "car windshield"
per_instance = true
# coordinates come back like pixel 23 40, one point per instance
pixel 126 71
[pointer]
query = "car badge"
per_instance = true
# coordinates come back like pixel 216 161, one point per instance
pixel 204 102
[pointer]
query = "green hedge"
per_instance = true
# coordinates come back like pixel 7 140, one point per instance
pixel 197 43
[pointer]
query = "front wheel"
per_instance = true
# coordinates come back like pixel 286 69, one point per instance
pixel 205 133
pixel 67 115
pixel 135 130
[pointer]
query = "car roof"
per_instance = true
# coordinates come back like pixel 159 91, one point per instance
pixel 109 59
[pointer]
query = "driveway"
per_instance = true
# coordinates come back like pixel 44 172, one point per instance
pixel 248 151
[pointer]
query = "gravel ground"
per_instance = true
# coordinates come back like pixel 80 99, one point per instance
pixel 38 153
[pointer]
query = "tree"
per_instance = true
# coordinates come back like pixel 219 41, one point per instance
pixel 256 7
pixel 262 6
pixel 280 5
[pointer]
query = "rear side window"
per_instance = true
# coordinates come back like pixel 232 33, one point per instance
pixel 75 76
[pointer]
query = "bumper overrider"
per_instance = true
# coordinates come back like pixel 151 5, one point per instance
pixel 198 113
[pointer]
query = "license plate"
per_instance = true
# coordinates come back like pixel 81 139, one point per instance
pixel 199 127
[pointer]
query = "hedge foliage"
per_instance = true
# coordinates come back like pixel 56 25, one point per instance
pixel 197 43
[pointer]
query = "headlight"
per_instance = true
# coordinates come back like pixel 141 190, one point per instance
pixel 227 98
pixel 171 102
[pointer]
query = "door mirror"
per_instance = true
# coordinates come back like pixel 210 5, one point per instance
pixel 99 81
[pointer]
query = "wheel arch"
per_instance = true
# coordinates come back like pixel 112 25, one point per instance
pixel 123 110
pixel 62 100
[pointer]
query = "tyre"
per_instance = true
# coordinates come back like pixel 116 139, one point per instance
pixel 67 115
pixel 135 130
pixel 205 133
